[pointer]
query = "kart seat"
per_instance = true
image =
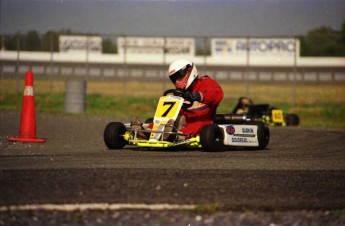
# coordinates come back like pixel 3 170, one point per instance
pixel 258 110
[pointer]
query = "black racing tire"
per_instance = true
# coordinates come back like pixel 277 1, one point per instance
pixel 292 120
pixel 212 138
pixel 113 135
pixel 263 136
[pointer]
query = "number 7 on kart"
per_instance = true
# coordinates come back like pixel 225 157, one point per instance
pixel 168 108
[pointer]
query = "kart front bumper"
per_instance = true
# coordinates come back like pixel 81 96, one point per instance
pixel 193 142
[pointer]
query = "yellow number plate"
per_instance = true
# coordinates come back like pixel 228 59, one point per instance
pixel 277 116
pixel 168 108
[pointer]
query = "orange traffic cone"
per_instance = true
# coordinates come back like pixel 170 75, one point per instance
pixel 27 131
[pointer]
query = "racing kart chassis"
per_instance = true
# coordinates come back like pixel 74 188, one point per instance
pixel 227 131
pixel 271 116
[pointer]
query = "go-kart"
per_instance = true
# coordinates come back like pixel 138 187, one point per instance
pixel 265 113
pixel 227 131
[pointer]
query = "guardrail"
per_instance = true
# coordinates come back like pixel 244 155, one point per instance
pixel 151 72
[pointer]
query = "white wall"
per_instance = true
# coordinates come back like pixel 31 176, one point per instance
pixel 161 59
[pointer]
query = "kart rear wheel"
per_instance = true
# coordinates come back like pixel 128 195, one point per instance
pixel 212 138
pixel 292 119
pixel 263 136
pixel 113 135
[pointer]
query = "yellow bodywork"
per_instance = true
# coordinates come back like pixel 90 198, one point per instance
pixel 193 142
pixel 277 118
pixel 168 108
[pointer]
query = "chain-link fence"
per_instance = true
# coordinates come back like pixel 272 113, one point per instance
pixel 245 60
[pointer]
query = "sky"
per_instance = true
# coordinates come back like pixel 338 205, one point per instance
pixel 212 18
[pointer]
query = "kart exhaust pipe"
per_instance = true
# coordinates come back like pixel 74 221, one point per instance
pixel 230 118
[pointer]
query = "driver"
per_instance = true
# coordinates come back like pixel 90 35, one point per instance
pixel 204 93
pixel 243 105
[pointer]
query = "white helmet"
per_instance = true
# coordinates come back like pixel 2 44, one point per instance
pixel 182 73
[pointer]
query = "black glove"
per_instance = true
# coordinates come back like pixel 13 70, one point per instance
pixel 191 97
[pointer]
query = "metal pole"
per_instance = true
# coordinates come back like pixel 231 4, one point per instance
pixel 87 56
pixel 17 63
pixel 1 63
pixel 248 68
pixel 125 69
pixel 51 63
pixel 205 51
pixel 294 88
pixel 164 50
pixel 164 62
pixel 3 43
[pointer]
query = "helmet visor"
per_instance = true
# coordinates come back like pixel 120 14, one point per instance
pixel 180 74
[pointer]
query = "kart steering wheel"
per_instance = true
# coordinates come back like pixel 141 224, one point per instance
pixel 176 92
pixel 179 93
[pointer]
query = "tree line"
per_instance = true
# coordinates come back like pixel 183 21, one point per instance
pixel 322 41
pixel 48 42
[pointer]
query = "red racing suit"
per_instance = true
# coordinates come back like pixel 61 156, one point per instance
pixel 200 114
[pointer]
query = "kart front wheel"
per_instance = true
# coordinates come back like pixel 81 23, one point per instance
pixel 113 135
pixel 211 138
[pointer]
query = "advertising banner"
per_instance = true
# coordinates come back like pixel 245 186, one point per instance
pixel 80 44
pixel 255 46
pixel 156 46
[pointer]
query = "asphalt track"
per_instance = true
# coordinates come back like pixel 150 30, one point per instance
pixel 72 179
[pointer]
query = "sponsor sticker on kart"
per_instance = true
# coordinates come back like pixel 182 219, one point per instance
pixel 240 135
pixel 230 130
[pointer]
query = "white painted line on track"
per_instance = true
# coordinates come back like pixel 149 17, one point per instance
pixel 96 206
